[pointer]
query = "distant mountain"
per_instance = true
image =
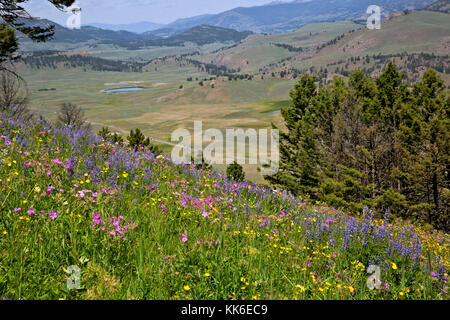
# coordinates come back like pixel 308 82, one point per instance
pixel 442 6
pixel 201 35
pixel 139 27
pixel 280 17
pixel 89 33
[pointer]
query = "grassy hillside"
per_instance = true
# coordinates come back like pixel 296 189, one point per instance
pixel 413 33
pixel 334 45
pixel 260 50
pixel 140 227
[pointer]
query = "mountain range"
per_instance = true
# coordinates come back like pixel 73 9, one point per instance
pixel 200 35
pixel 233 25
pixel 281 17
pixel 139 27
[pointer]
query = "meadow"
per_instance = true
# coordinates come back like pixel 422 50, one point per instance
pixel 141 227
pixel 162 106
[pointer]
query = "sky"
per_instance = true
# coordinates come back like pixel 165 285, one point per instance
pixel 132 11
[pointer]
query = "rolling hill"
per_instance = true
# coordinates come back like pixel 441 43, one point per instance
pixel 201 35
pixel 342 45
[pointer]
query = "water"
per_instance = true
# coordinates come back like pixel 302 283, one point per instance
pixel 276 111
pixel 122 89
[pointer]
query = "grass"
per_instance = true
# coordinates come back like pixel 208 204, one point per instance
pixel 141 227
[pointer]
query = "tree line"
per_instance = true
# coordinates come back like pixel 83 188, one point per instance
pixel 57 60
pixel 377 143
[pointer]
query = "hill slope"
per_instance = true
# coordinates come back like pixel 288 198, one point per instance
pixel 342 45
pixel 201 35
pixel 139 226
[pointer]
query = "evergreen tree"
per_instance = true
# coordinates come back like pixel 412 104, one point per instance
pixel 373 143
pixel 425 136
pixel 203 165
pixel 298 153
pixel 105 133
pixel 235 172
pixel 137 139
pixel 12 16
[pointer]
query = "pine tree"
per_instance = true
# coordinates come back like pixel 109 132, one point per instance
pixel 235 172
pixel 137 139
pixel 105 133
pixel 373 143
pixel 425 136
pixel 298 154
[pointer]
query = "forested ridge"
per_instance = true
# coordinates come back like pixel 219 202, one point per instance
pixel 380 143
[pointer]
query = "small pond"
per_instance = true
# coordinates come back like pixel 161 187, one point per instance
pixel 122 90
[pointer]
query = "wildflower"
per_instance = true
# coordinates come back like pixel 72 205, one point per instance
pixel 5 232
pixel 50 189
pixel 207 274
pixel 53 215
pixel 31 211
pixel 184 237
pixel 394 266
pixel 443 291
pixel 302 288
pixel 186 288
pixel 17 209
pixel 96 218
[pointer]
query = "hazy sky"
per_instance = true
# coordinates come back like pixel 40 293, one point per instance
pixel 130 11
